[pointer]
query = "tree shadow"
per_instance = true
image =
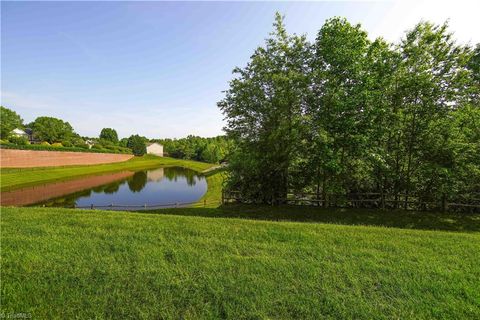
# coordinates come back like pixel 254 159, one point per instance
pixel 367 217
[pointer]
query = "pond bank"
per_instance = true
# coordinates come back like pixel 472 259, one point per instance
pixel 12 179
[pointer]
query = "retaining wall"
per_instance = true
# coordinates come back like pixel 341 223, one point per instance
pixel 10 158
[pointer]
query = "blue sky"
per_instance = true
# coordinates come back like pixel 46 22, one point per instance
pixel 158 68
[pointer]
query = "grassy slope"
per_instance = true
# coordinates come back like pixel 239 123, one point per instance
pixel 17 178
pixel 213 197
pixel 76 264
pixel 359 217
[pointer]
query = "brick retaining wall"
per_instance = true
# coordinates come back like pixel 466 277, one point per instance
pixel 10 158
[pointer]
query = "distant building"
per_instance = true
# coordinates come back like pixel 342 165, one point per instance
pixel 27 133
pixel 155 149
pixel 89 143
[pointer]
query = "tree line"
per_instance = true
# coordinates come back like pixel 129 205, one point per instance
pixel 212 150
pixel 50 131
pixel 345 114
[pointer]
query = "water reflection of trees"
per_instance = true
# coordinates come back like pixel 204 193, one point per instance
pixel 109 188
pixel 66 201
pixel 172 174
pixel 138 181
pixel 70 200
pixel 135 183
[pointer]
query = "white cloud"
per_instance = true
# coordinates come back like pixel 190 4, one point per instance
pixel 403 15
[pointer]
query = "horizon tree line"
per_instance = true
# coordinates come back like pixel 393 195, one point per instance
pixel 54 131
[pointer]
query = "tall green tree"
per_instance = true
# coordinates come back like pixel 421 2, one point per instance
pixel 339 113
pixel 264 107
pixel 346 115
pixel 433 75
pixel 51 129
pixel 109 134
pixel 137 144
pixel 9 120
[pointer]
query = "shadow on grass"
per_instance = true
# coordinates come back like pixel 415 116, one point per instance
pixel 369 217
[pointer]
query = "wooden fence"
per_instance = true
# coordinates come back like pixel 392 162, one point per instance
pixel 467 203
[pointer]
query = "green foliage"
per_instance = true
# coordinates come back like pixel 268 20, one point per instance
pixel 123 142
pixel 109 134
pixel 474 63
pixel 21 141
pixel 347 115
pixel 212 150
pixel 57 145
pixel 45 146
pixel 137 144
pixel 264 108
pixel 51 129
pixel 9 120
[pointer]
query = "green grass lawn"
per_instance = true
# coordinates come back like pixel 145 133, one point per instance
pixel 62 263
pixel 17 178
pixel 359 217
pixel 213 197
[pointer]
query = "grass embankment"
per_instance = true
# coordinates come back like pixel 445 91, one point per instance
pixel 357 217
pixel 213 197
pixel 17 178
pixel 61 263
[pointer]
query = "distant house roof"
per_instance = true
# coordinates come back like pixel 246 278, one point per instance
pixel 18 132
pixel 151 143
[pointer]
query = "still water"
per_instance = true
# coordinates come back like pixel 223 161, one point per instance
pixel 156 187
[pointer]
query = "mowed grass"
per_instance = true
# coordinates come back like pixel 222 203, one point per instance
pixel 17 178
pixel 62 263
pixel 213 197
pixel 446 221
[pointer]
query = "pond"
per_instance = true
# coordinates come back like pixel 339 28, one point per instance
pixel 155 188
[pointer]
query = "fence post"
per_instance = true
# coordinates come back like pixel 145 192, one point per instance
pixel 204 202
pixel 223 196
pixel 176 204
pixel 91 207
pixel 145 206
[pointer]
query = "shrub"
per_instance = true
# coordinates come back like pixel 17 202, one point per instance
pixel 81 145
pixel 57 145
pixel 21 141
pixel 110 147
pixel 67 144
pixel 45 147
pixel 45 143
